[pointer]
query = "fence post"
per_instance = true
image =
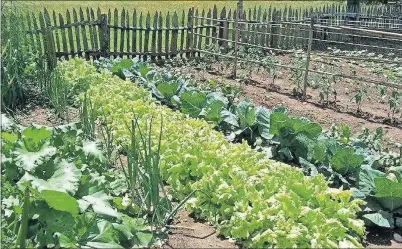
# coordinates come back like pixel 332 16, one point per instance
pixel 104 35
pixel 310 42
pixel 239 13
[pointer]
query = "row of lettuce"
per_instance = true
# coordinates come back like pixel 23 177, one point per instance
pixel 58 191
pixel 358 162
pixel 235 187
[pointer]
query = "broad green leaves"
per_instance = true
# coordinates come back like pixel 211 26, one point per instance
pixel 99 202
pixel 69 196
pixel 388 193
pixel 245 111
pixel 383 194
pixel 192 102
pixel 168 89
pixel 65 178
pixel 382 219
pixel 263 122
pixel 295 137
pixel 366 183
pixel 29 160
pixel 92 149
pixel 345 161
pixel 60 201
pixel 119 68
pixel 199 104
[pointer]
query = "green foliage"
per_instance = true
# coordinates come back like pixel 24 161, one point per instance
pixel 382 193
pixel 247 196
pixel 66 193
pixel 345 161
pixel 143 173
pixel 14 61
pixel 59 92
pixel 25 76
pixel 394 103
pixel 340 157
pixel 358 96
pixel 293 135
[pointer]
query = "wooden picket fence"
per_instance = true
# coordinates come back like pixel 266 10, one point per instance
pixel 88 33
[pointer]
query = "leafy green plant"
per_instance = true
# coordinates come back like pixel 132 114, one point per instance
pixel 382 193
pixel 195 157
pixel 269 66
pixel 245 122
pixel 394 104
pixel 296 73
pixel 199 104
pixel 358 96
pixel 292 135
pixel 68 197
pixel 382 90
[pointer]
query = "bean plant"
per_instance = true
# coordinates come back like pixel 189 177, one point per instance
pixel 359 95
pixel 394 104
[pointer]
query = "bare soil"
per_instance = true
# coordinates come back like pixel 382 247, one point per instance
pixel 45 116
pixel 377 238
pixel 374 113
pixel 187 232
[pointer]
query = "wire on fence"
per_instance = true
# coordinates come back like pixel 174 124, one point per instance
pixel 363 79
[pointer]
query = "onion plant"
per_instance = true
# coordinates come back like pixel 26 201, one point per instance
pixel 13 61
pixel 88 117
pixel 143 173
pixel 58 92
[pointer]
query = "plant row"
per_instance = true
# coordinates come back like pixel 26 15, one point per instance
pixel 358 163
pixel 234 186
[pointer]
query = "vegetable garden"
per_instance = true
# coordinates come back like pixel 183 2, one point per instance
pixel 155 120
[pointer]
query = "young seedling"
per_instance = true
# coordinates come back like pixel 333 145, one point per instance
pixel 358 97
pixel 394 104
pixel 382 90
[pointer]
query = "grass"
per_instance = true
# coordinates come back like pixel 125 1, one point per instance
pixel 162 6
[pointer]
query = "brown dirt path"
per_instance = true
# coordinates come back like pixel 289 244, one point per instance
pixel 190 233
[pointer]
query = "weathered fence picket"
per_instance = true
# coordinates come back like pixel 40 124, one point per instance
pixel 175 34
pixel 122 31
pixel 134 36
pixel 160 34
pixel 77 33
pixel 146 38
pixel 154 33
pixel 167 34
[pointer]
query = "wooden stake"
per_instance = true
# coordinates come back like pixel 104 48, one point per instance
pixel 236 45
pixel 310 42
